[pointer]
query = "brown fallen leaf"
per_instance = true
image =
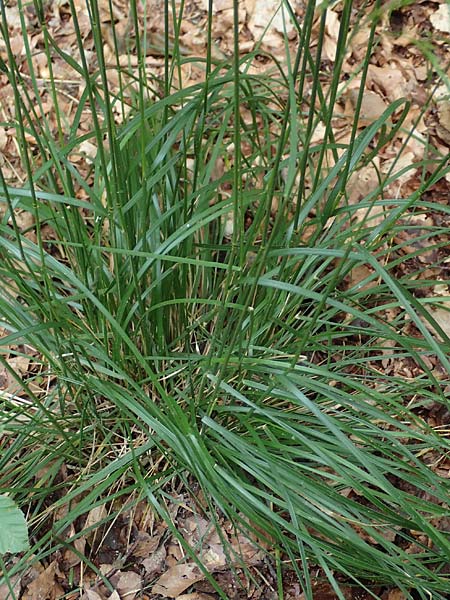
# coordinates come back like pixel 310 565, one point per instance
pixel 155 562
pixel 91 595
pixel 324 591
pixel 15 585
pixel 443 128
pixel 410 240
pixel 177 579
pixel 265 16
pixel 396 595
pixel 361 183
pixel 45 586
pixel 70 557
pixel 442 318
pixel 195 596
pixel 95 515
pixel 357 275
pixel 372 107
pixel 401 167
pixel 129 585
pixel 146 544
pixel 331 36
pixel 214 557
pixel 394 81
pixel 440 19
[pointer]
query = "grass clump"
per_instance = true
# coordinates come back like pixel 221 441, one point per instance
pixel 189 307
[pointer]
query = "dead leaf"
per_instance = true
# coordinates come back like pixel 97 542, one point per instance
pixel 13 17
pixel 194 528
pixel 443 128
pixel 89 150
pixel 3 138
pixel 323 590
pixel 177 579
pixel 265 14
pixel 358 45
pixel 391 80
pixel 19 363
pixel 396 165
pixel 155 562
pixel 388 351
pixel 90 595
pixel 223 10
pixel 411 240
pixel 441 289
pixel 72 558
pixel 372 107
pixel 444 134
pixel 442 318
pixel 129 585
pixel 444 114
pixel 359 274
pixel 396 595
pixel 408 37
pixel 440 19
pixel 174 554
pixel 360 185
pixel 95 516
pixel 46 585
pixel 195 596
pixel 247 551
pixel 214 557
pixel 146 544
pixel 15 584
pixel 332 26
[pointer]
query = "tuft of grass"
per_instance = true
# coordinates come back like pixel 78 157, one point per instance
pixel 201 320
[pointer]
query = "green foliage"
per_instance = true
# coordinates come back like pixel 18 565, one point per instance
pixel 14 531
pixel 245 361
